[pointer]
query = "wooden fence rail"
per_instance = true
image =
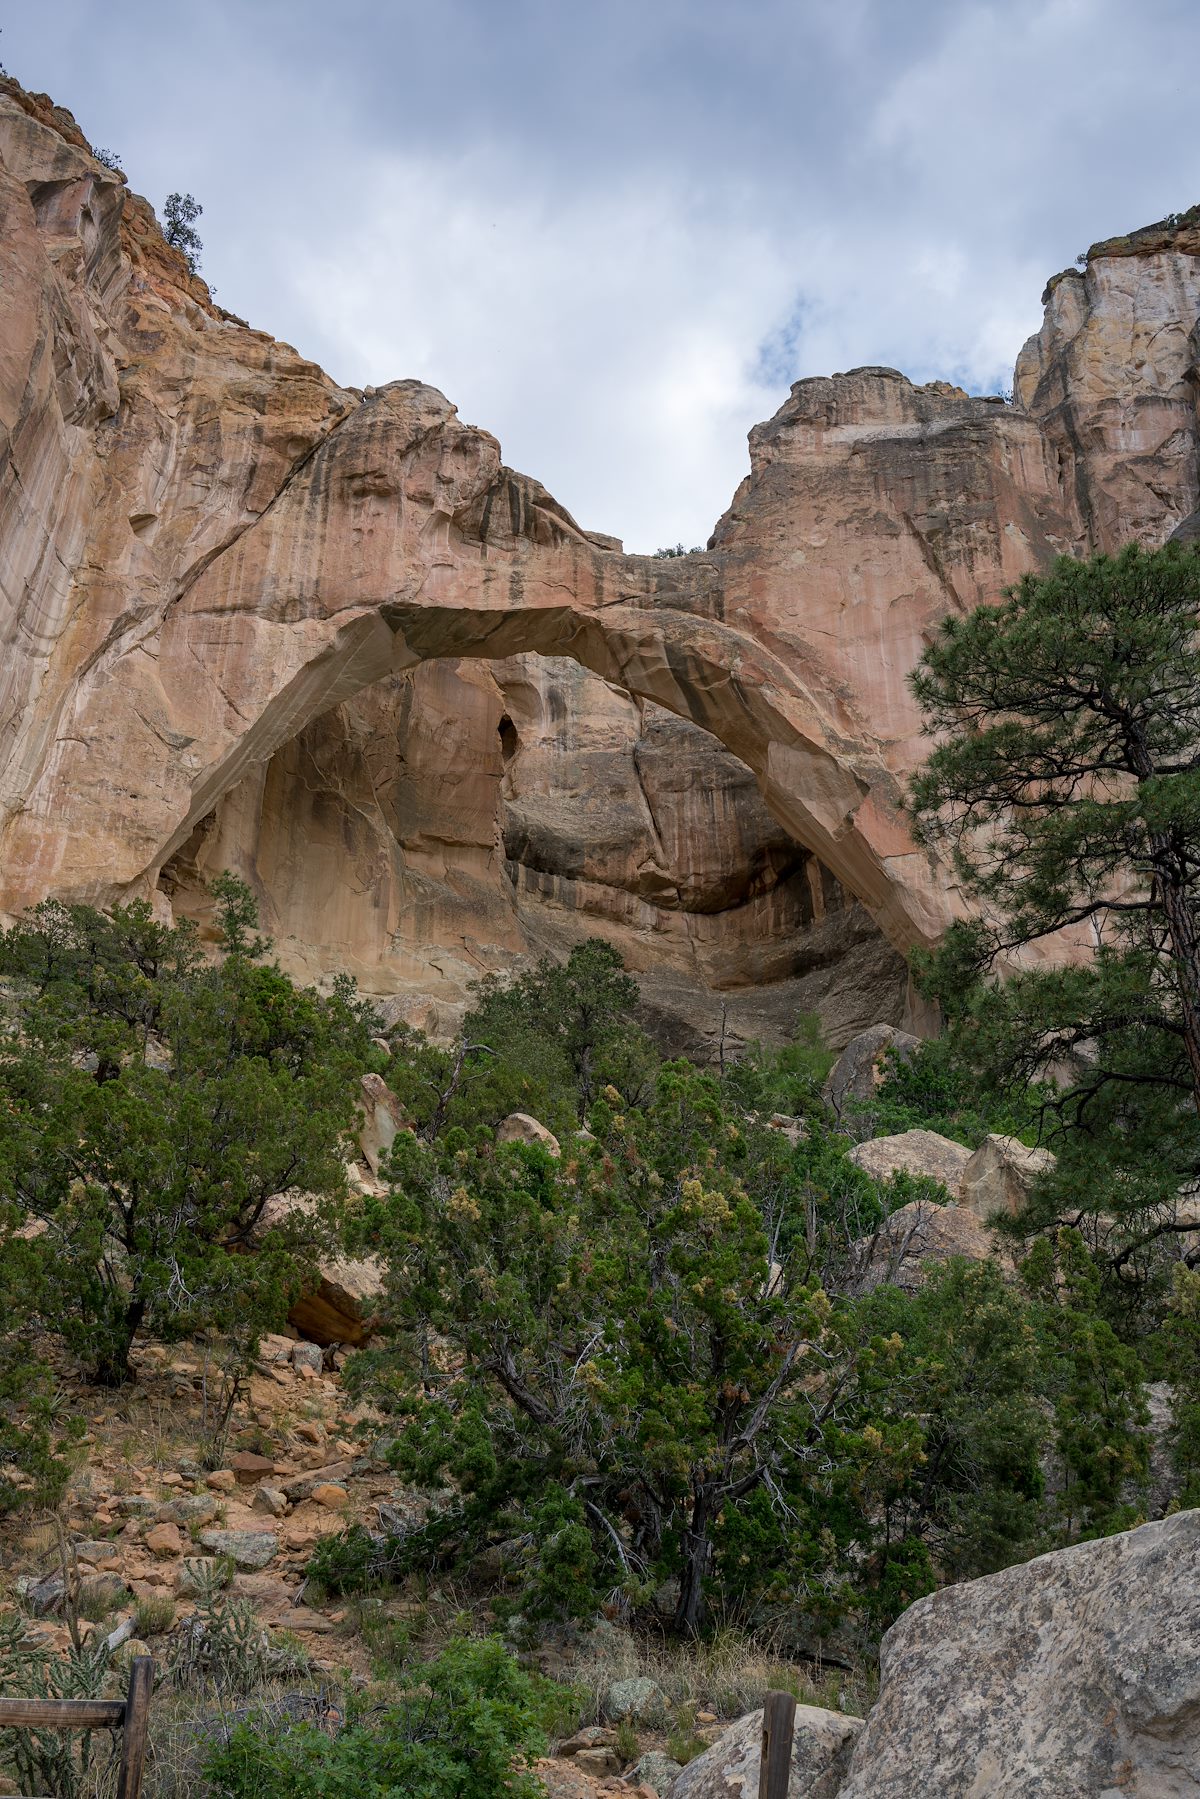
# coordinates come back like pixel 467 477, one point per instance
pixel 130 1715
pixel 775 1765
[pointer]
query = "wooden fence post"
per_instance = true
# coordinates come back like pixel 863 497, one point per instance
pixel 779 1715
pixel 137 1721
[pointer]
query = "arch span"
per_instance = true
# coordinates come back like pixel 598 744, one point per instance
pixel 403 538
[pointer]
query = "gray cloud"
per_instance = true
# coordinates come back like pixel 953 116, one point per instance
pixel 614 233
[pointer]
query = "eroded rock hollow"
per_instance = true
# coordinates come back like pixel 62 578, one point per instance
pixel 325 637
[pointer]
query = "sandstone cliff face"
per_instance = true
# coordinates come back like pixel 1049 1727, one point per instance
pixel 1113 377
pixel 253 619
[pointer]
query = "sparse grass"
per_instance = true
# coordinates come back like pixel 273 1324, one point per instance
pixel 206 1576
pixel 99 1599
pixel 40 1537
pixel 153 1617
pixel 185 1725
pixel 157 1430
pixel 389 1641
pixel 684 1744
pixel 728 1674
pixel 628 1747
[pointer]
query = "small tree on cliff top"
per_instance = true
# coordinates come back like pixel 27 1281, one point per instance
pixel 1067 787
pixel 179 228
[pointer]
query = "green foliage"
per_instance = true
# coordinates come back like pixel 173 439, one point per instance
pixel 348 1561
pixel 36 1432
pixel 155 1101
pixel 1181 1333
pixel 1067 786
pixel 545 1043
pixel 649 1362
pixel 933 1089
pixel 623 1351
pixel 971 1370
pixel 223 1647
pixel 153 1617
pixel 1096 1385
pixel 573 1019
pixel 787 1080
pixel 462 1729
pixel 179 228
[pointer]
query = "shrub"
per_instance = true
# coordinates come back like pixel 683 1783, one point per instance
pixel 461 1729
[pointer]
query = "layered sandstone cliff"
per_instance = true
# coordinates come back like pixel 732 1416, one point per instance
pixel 253 619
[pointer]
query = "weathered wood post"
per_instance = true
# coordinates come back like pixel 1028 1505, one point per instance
pixel 137 1723
pixel 779 1715
pixel 131 1716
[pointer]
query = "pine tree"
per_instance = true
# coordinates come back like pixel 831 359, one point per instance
pixel 1067 788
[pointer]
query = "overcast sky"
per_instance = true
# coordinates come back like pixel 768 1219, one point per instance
pixel 614 231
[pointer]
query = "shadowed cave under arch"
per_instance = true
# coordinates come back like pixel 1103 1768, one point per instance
pixel 471 815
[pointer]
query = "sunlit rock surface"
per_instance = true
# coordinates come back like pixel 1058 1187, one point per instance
pixel 327 638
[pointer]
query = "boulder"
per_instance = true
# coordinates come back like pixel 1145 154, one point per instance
pixel 382 1117
pixel 655 1769
pixel 136 1505
pixel 332 1496
pixel 269 1499
pixel 639 1699
pixel 249 1467
pixel 598 1762
pixel 164 1539
pixel 302 1486
pixel 188 1508
pixel 1077 1673
pixel 916 1238
pixel 821 1746
pixel 519 1127
pixel 1000 1176
pixel 914 1152
pixel 859 1070
pixel 43 1596
pixel 250 1549
pixel 344 1304
pixel 591 1736
pixel 91 1551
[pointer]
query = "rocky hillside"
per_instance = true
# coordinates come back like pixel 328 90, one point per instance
pixel 327 638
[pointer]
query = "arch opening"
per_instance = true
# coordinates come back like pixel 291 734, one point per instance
pixel 471 815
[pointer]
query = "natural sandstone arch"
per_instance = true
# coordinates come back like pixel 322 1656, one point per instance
pixel 402 538
pixel 207 541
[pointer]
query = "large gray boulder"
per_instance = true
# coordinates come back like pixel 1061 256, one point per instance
pixel 729 1769
pixel 520 1127
pixel 1000 1176
pixel 1076 1674
pixel 915 1152
pixel 860 1068
pixel 638 1699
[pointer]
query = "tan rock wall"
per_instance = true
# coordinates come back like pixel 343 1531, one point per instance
pixel 249 618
